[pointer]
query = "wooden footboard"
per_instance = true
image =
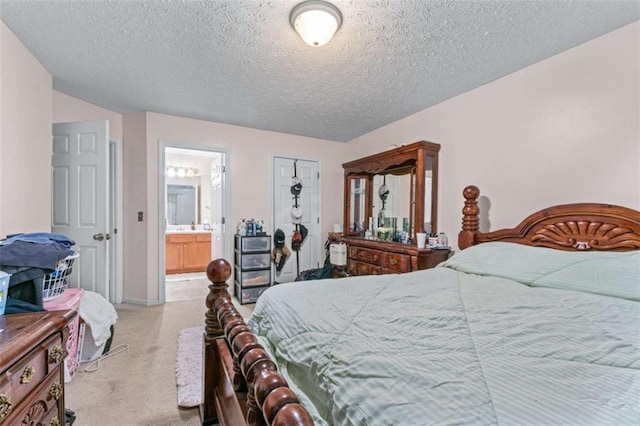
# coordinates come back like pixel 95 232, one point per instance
pixel 241 383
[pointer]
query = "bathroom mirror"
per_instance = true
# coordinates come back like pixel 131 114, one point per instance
pixel 181 204
pixel 410 174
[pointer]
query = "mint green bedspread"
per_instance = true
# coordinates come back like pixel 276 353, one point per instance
pixel 473 341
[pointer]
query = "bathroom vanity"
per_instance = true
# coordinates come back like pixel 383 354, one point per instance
pixel 187 251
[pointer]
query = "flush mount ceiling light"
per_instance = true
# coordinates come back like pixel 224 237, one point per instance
pixel 316 21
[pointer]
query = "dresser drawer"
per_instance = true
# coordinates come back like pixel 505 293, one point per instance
pixel 203 238
pixel 26 374
pixel 365 254
pixel 433 259
pixel 396 261
pixel 363 268
pixel 42 406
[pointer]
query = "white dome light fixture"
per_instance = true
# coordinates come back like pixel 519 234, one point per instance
pixel 316 21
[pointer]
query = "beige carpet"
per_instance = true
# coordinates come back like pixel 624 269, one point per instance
pixel 138 386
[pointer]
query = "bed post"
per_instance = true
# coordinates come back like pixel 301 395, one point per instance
pixel 218 271
pixel 241 382
pixel 470 221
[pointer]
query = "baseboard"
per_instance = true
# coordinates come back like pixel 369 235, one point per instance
pixel 143 302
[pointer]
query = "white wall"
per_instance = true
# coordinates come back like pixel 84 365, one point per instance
pixel 137 283
pixel 250 152
pixel 67 108
pixel 25 139
pixel 563 130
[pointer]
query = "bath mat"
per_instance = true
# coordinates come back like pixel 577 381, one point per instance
pixel 189 374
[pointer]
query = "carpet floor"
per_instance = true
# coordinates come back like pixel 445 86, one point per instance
pixel 138 387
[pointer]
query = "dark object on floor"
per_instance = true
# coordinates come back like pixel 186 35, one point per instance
pixel 317 274
pixel 69 416
pixel 107 346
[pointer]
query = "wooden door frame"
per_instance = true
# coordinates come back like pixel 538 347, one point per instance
pixel 118 238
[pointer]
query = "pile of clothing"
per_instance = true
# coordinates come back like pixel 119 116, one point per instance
pixel 29 258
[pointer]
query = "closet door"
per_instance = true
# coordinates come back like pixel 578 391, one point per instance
pixel 311 254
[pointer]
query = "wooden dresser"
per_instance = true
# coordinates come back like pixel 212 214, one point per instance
pixel 32 349
pixel 372 257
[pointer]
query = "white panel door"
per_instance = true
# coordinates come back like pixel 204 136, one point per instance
pixel 81 199
pixel 311 254
pixel 218 173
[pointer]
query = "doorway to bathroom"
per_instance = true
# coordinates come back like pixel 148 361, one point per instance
pixel 192 217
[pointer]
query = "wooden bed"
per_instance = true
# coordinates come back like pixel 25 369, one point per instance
pixel 242 384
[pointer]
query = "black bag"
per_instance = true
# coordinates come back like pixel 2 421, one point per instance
pixel 317 274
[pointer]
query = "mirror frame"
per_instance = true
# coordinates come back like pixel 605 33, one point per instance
pixel 367 205
pixel 411 155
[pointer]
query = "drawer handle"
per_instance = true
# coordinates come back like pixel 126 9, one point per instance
pixel 57 355
pixel 393 261
pixel 56 391
pixel 5 405
pixel 54 422
pixel 27 375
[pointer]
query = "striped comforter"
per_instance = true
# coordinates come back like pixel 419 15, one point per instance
pixel 454 346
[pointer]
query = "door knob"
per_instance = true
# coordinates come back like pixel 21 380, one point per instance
pixel 99 237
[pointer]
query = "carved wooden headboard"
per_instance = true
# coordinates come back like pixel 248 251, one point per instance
pixel 574 227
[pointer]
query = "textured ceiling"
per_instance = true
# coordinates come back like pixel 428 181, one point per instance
pixel 240 62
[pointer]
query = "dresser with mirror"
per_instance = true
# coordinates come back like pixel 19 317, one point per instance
pixel 389 197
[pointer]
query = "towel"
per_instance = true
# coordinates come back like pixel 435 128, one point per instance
pixel 99 315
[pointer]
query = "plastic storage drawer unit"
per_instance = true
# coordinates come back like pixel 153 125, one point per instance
pixel 252 267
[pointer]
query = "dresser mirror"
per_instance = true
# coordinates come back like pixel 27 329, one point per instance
pixel 397 203
pixel 400 183
pixel 357 205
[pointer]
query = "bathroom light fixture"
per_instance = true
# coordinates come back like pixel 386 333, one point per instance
pixel 316 21
pixel 178 171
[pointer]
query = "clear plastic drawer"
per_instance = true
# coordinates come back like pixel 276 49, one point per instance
pixel 253 244
pixel 253 261
pixel 253 278
pixel 249 295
